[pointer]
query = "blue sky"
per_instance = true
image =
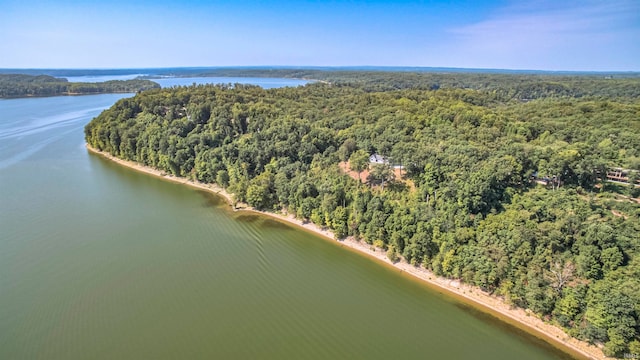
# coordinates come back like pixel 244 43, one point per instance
pixel 538 35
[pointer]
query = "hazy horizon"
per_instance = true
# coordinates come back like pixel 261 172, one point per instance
pixel 389 68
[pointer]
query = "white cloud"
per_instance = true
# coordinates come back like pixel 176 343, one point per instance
pixel 586 35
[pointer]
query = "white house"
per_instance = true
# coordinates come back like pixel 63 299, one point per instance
pixel 378 159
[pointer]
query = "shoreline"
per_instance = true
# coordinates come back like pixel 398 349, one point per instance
pixel 64 94
pixel 473 296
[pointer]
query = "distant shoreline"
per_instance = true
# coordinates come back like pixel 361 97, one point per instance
pixel 31 96
pixel 474 296
pixel 64 72
pixel 27 86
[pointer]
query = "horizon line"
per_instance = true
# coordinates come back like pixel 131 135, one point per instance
pixel 399 68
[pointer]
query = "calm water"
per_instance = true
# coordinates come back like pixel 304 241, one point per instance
pixel 100 262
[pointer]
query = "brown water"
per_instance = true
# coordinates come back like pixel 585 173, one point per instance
pixel 100 262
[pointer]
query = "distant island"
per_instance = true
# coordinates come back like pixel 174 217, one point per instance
pixel 21 85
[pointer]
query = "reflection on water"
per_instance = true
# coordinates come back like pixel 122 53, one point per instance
pixel 210 200
pixel 276 225
pixel 247 218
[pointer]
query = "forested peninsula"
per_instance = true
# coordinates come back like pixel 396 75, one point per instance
pixel 19 85
pixel 527 191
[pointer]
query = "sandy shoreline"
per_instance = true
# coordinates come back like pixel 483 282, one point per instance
pixel 476 297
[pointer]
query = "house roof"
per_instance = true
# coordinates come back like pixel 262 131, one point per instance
pixel 376 158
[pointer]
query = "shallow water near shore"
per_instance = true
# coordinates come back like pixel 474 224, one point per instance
pixel 100 262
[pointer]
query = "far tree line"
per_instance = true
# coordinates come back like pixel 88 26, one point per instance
pixel 17 85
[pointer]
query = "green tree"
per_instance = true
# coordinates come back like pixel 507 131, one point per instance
pixel 380 174
pixel 359 161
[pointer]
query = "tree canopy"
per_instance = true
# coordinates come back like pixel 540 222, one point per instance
pixel 568 250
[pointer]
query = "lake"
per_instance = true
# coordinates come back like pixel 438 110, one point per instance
pixel 100 262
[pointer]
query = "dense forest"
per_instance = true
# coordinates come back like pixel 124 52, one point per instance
pixel 498 186
pixel 19 85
